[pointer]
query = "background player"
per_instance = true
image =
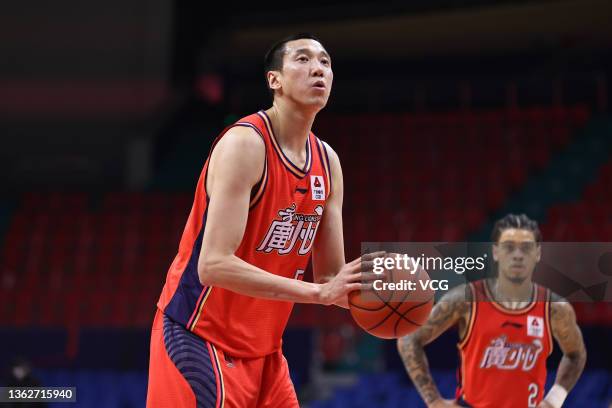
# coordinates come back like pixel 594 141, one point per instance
pixel 505 325
pixel 267 189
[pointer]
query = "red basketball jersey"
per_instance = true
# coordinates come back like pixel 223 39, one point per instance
pixel 285 211
pixel 503 353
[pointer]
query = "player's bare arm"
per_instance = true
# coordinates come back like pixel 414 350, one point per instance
pixel 328 250
pixel 569 337
pixel 235 167
pixel 453 308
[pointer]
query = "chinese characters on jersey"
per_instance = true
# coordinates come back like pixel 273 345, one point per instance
pixel 290 230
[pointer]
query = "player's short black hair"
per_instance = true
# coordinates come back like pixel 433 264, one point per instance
pixel 273 60
pixel 519 221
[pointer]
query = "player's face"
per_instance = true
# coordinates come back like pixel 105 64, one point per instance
pixel 517 253
pixel 306 77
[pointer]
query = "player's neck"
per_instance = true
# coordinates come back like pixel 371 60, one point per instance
pixel 291 126
pixel 506 291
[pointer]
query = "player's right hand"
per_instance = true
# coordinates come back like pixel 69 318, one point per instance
pixel 444 403
pixel 355 275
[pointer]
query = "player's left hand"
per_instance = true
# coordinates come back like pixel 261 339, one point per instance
pixel 353 276
pixel 544 404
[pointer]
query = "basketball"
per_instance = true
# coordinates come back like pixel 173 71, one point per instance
pixel 393 311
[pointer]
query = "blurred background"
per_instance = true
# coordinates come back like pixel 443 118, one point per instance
pixel 446 114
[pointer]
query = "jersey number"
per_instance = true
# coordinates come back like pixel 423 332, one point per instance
pixel 299 274
pixel 533 395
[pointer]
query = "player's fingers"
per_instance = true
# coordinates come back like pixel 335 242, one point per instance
pixel 369 266
pixel 370 276
pixel 355 261
pixel 351 287
pixel 352 269
pixel 366 287
pixel 363 266
pixel 372 255
pixel 366 266
pixel 354 277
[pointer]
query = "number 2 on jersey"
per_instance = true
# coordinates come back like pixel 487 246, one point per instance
pixel 533 395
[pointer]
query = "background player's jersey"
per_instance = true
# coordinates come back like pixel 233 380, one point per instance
pixel 503 353
pixel 285 211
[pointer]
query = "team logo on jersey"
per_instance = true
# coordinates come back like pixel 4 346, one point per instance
pixel 292 228
pixel 317 186
pixel 510 356
pixel 535 326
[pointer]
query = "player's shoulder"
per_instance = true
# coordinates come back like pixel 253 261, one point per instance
pixel 456 302
pixel 239 154
pixel 334 159
pixel 560 307
pixel 555 297
pixel 326 145
pixel 459 295
pixel 557 300
pixel 241 144
pixel 243 137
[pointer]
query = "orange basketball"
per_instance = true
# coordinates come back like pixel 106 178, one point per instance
pixel 393 312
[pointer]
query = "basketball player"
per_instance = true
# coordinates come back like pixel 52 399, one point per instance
pixel 269 195
pixel 505 326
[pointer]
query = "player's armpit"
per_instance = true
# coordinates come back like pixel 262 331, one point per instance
pixel 569 337
pixel 452 307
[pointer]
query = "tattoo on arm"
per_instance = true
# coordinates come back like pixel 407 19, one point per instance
pixel 452 307
pixel 568 335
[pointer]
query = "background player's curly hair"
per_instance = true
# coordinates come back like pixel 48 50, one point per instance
pixel 273 60
pixel 516 221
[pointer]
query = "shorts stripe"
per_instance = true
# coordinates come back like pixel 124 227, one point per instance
pixel 192 358
pixel 219 376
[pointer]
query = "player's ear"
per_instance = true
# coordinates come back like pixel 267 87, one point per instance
pixel 274 80
pixel 538 252
pixel 495 252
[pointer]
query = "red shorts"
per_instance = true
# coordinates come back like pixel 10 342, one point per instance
pixel 187 371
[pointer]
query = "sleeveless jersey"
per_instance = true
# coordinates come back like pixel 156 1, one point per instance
pixel 503 353
pixel 285 211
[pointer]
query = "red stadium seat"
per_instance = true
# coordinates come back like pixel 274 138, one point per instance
pixel 122 309
pixel 7 307
pixel 97 310
pixel 49 310
pixel 73 307
pixel 145 309
pixel 24 309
